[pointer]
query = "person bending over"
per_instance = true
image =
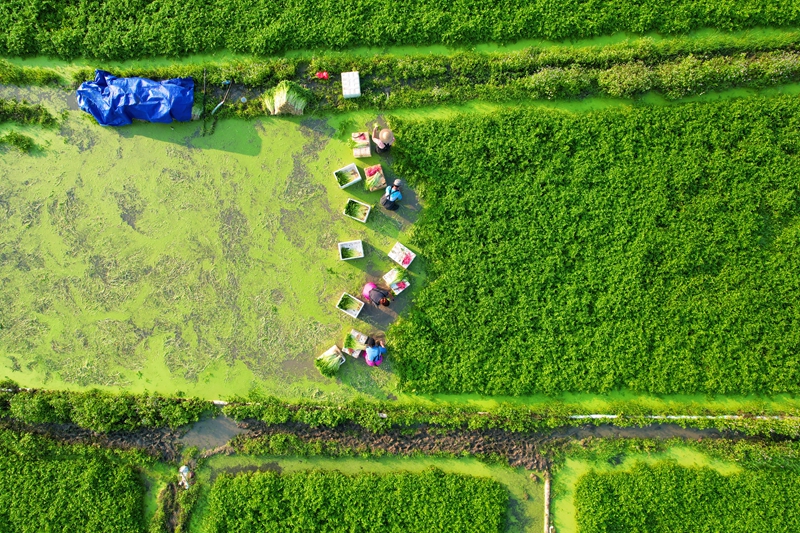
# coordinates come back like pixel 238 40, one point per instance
pixel 383 140
pixel 375 351
pixel 375 295
pixel 392 196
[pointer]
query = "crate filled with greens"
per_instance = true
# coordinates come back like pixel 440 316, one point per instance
pixel 357 210
pixel 350 305
pixel 346 176
pixel 351 250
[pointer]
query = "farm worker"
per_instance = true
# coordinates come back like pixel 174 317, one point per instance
pixel 374 295
pixel 392 196
pixel 186 476
pixel 383 140
pixel 375 351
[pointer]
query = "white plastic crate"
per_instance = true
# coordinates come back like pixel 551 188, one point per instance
pixel 356 248
pixel 351 84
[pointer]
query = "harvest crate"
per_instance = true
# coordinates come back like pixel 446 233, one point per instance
pixel 401 255
pixel 350 305
pixel 374 178
pixel 396 280
pixel 354 343
pixel 357 210
pixel 351 84
pixel 346 176
pixel 351 250
pixel 362 152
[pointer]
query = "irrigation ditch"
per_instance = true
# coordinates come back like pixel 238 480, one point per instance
pixel 219 445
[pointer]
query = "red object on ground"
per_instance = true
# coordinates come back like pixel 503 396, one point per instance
pixel 322 75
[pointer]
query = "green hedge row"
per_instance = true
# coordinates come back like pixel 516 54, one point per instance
pixel 650 249
pixel 331 502
pixel 101 411
pixel 84 493
pixel 381 416
pixel 141 28
pixel 669 498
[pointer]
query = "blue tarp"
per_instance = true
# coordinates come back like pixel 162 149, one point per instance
pixel 116 101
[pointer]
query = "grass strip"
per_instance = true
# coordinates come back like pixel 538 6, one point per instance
pixel 25 113
pixel 100 411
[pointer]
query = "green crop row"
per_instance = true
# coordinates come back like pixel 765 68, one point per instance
pixel 669 498
pixel 101 411
pixel 332 502
pixel 110 30
pixel 650 249
pixel 86 492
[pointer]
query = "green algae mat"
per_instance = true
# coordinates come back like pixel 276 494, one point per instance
pixel 151 257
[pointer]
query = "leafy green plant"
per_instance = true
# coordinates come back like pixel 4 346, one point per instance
pixel 356 209
pixel 345 252
pixel 101 411
pixel 331 501
pixel 18 140
pixel 107 30
pixel 74 489
pixel 328 363
pixel 348 303
pixel 596 252
pixel 287 98
pixel 24 113
pixel 670 498
pixel 343 177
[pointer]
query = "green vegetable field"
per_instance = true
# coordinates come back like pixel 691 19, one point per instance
pixel 592 271
pixel 46 488
pixel 671 498
pixel 647 249
pixel 320 501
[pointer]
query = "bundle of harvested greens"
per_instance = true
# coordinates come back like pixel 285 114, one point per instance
pixel 328 363
pixel 287 98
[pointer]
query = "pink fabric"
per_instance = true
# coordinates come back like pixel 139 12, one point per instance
pixel 368 287
pixel 377 361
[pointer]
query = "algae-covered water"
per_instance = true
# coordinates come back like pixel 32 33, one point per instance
pixel 151 257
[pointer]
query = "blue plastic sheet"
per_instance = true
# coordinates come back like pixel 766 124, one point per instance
pixel 117 101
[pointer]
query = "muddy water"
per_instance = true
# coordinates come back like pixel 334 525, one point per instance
pixel 211 433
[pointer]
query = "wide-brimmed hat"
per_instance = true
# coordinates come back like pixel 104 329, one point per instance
pixel 386 136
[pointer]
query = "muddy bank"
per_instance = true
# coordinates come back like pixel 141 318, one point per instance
pixel 520 449
pixel 161 443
